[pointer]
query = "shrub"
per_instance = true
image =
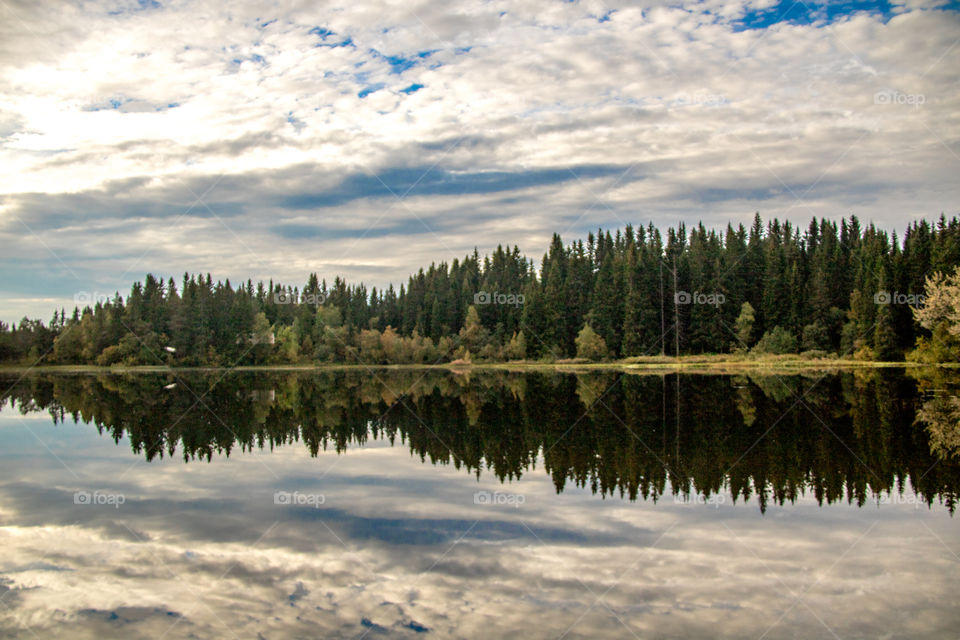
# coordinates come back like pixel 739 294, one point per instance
pixel 776 341
pixel 815 337
pixel 591 345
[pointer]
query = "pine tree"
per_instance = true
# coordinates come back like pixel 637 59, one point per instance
pixel 837 288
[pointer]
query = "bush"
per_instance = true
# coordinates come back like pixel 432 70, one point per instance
pixel 591 345
pixel 815 337
pixel 940 315
pixel 516 349
pixel 776 341
pixel 489 352
pixel 109 356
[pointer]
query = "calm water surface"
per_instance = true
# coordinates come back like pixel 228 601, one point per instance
pixel 429 504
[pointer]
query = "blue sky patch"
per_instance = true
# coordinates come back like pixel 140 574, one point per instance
pixel 372 625
pixel 796 12
pixel 255 58
pixel 398 64
pixel 323 33
pixel 373 88
pixel 412 88
pixel 606 17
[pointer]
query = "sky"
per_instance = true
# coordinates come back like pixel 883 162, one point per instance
pixel 366 140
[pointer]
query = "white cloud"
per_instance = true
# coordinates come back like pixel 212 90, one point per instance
pixel 716 122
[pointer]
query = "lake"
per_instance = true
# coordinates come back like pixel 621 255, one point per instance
pixel 424 503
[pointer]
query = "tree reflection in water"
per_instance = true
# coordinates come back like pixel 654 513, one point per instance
pixel 852 436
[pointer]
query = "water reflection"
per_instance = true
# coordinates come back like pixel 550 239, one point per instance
pixel 854 437
pixel 294 505
pixel 940 411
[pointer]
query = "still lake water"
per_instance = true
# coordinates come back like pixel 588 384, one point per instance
pixel 412 503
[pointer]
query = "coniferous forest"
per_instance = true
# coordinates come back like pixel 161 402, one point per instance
pixel 834 288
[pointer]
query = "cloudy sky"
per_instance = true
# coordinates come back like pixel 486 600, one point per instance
pixel 367 139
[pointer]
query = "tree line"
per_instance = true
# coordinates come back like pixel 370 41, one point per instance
pixel 833 288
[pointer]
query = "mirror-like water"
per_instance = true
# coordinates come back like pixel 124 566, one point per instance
pixel 424 503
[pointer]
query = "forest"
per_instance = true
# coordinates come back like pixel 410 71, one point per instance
pixel 833 289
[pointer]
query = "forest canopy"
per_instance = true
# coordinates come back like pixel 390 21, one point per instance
pixel 831 289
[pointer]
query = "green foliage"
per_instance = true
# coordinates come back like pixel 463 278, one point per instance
pixel 744 326
pixel 940 316
pixel 110 356
pixel 590 345
pixel 815 337
pixel 884 336
pixel 516 349
pixel 287 346
pixel 473 335
pixel 371 351
pixel 821 285
pixel 776 341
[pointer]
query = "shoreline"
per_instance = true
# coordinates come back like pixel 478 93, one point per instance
pixel 692 364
